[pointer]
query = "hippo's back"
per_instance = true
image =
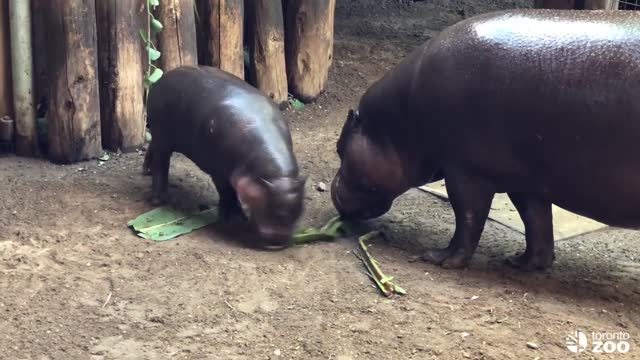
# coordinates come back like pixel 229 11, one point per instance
pixel 541 100
pixel 537 29
pixel 565 47
pixel 199 111
pixel 189 89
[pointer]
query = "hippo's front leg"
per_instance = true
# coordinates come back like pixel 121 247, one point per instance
pixel 538 225
pixel 229 208
pixel 471 201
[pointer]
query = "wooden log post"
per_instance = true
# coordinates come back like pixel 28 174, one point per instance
pixel 120 58
pixel 26 131
pixel 73 118
pixel 202 32
pixel 6 97
pixel 40 63
pixel 212 23
pixel 177 41
pixel 309 46
pixel 226 32
pixel 268 70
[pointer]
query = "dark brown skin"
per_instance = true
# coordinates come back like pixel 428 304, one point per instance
pixel 238 136
pixel 539 104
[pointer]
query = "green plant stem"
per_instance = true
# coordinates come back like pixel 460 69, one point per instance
pixel 146 87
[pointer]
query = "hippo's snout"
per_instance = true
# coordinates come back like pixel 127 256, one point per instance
pixel 351 205
pixel 335 196
pixel 343 201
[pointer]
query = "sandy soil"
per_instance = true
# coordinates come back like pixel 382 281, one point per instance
pixel 75 283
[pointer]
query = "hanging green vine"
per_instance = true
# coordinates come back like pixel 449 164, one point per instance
pixel 153 73
pixel 153 54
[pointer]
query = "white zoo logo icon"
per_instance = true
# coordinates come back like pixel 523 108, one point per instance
pixel 577 342
pixel 601 342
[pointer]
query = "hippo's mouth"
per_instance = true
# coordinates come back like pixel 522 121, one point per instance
pixel 335 193
pixel 275 238
pixel 275 247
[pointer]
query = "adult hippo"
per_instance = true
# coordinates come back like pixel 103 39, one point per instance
pixel 539 104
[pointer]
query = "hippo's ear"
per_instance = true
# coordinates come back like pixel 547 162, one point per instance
pixel 302 180
pixel 353 119
pixel 250 193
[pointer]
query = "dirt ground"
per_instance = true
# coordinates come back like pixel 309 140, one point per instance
pixel 76 283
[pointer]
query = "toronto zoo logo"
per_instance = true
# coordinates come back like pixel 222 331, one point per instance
pixel 600 342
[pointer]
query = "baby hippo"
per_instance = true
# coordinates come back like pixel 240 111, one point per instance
pixel 236 135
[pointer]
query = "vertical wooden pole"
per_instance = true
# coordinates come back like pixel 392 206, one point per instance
pixel 6 97
pixel 213 24
pixel 231 36
pixel 177 41
pixel 120 58
pixel 309 46
pixel 40 63
pixel 266 36
pixel 22 78
pixel 74 112
pixel 202 32
pixel 226 32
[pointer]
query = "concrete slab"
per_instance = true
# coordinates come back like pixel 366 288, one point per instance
pixel 565 223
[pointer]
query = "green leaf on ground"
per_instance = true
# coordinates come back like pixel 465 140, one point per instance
pixel 295 103
pixel 329 231
pixel 165 223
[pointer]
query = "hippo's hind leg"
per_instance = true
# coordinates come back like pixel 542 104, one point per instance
pixel 148 159
pixel 471 199
pixel 537 218
pixel 159 160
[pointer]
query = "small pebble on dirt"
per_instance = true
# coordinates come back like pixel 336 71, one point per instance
pixel 322 187
pixel 532 345
pixel 277 352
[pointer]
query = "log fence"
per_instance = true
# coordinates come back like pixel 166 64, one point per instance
pixel 75 84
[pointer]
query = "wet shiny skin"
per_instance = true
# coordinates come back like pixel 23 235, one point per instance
pixel 539 104
pixel 238 136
